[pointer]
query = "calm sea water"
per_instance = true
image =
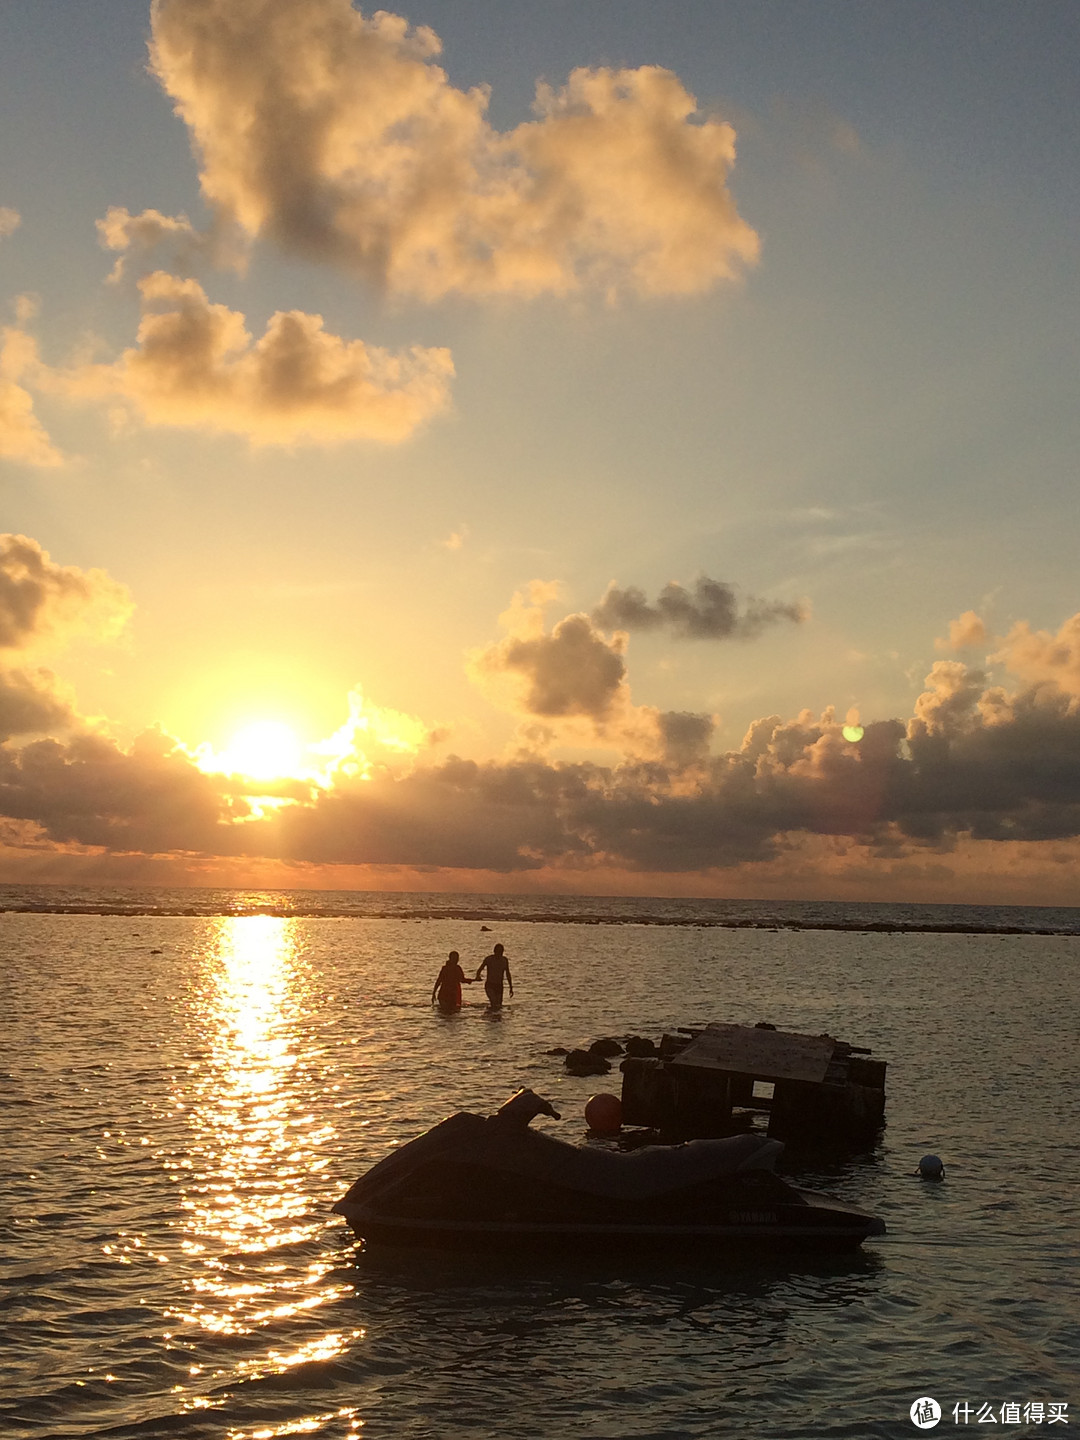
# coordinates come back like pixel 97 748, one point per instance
pixel 184 1096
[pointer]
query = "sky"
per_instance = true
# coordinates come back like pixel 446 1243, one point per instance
pixel 602 449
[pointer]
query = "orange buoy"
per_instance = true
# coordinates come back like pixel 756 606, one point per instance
pixel 603 1114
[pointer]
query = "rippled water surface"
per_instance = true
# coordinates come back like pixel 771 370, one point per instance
pixel 183 1098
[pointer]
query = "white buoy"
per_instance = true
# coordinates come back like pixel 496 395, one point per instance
pixel 931 1168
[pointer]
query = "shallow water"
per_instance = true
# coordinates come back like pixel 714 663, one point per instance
pixel 183 1098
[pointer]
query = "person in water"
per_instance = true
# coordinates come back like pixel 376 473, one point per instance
pixel 498 971
pixel 448 984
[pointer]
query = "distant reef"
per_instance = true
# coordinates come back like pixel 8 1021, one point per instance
pixel 895 925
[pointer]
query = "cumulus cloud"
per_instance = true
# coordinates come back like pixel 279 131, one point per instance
pixel 685 737
pixel 501 817
pixel 572 680
pixel 195 365
pixel 22 435
pixel 1017 780
pixel 339 137
pixel 41 601
pixel 708 611
pixel 966 632
pixel 151 233
pixel 41 604
pixel 572 671
pixel 949 702
pixel 90 792
pixel 32 703
pixel 971 765
pixel 1043 659
pixel 10 220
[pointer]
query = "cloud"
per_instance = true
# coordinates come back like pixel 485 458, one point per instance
pixel 1044 660
pixel 373 738
pixel 154 799
pixel 10 220
pixel 569 675
pixel 572 680
pixel 573 671
pixel 972 766
pixel 22 436
pixel 43 602
pixel 947 706
pixel 148 234
pixel 965 633
pixel 459 814
pixel 195 365
pixel 1016 780
pixel 90 792
pixel 709 611
pixel 685 736
pixel 338 137
pixel 32 703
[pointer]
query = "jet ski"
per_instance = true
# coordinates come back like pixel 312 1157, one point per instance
pixel 483 1183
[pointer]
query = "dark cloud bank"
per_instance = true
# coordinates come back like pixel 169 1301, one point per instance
pixel 946 774
pixel 974 762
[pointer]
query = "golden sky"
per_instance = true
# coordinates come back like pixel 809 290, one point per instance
pixel 633 454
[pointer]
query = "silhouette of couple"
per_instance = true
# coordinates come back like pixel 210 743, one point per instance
pixel 447 991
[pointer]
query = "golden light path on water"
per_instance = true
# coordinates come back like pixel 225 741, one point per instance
pixel 255 1147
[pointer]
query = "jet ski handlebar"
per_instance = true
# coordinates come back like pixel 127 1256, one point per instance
pixel 523 1107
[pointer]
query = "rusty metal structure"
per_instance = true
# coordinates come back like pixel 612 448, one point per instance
pixel 816 1092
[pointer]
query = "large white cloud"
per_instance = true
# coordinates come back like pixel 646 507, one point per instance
pixel 339 137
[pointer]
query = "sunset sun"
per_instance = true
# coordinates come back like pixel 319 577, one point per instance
pixel 262 750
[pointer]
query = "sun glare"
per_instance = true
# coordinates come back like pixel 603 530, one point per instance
pixel 269 750
pixel 263 750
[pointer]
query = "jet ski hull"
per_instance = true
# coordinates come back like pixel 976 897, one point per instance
pixel 493 1184
pixel 845 1231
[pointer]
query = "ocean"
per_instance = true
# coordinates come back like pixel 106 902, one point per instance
pixel 190 1079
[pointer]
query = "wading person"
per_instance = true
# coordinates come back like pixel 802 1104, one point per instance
pixel 498 971
pixel 448 983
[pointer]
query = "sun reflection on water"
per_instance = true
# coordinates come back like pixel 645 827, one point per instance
pixel 255 1146
pixel 257 1143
